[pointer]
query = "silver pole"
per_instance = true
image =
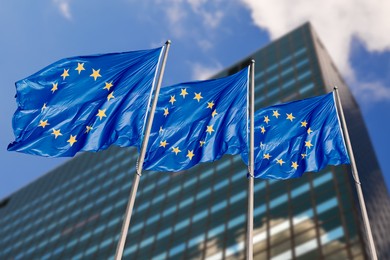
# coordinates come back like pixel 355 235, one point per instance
pixel 134 187
pixel 355 175
pixel 249 238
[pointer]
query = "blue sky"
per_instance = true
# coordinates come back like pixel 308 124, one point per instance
pixel 207 36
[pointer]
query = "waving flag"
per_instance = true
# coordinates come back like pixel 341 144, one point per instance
pixel 297 137
pixel 198 122
pixel 84 103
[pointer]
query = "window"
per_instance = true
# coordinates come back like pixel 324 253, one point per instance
pixel 196 240
pixel 332 235
pixel 322 179
pixel 236 221
pixel 219 206
pixel 173 191
pixel 146 242
pixel 259 210
pixel 182 224
pixel 153 219
pixel 301 76
pixel 189 182
pixel 169 211
pixel 306 88
pixel 221 184
pixel 203 193
pixel 300 190
pixel 177 249
pixel 215 231
pixel 199 216
pixel 238 196
pixel 186 202
pixel 326 205
pixel 279 200
pixel 164 233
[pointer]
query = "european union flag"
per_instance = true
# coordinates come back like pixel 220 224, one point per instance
pixel 84 103
pixel 198 122
pixel 297 137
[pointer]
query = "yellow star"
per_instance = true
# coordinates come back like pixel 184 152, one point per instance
pixel 266 119
pixel 108 85
pixel 267 156
pixel 309 131
pixel 290 117
pixel 308 144
pixel 89 128
pixel 262 129
pixel 110 96
pixel 101 113
pixel 72 140
pixel 173 100
pixel 280 161
pixel 163 143
pixel 190 154
pixel 183 92
pixel 161 130
pixel 210 104
pixel 294 165
pixel 175 150
pixel 80 67
pixel 95 74
pixel 275 113
pixel 198 96
pixel 210 129
pixel 166 112
pixel 44 106
pixel 56 133
pixel 303 155
pixel 304 124
pixel 55 87
pixel 65 74
pixel 214 113
pixel 43 123
pixel 201 143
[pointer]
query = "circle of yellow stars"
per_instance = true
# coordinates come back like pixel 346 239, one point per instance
pixel 290 117
pixel 55 87
pixel 197 97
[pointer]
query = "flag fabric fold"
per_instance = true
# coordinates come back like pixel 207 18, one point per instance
pixel 198 122
pixel 297 137
pixel 84 103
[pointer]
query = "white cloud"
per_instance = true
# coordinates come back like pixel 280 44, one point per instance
pixel 337 23
pixel 205 44
pixel 185 16
pixel 64 8
pixel 369 92
pixel 202 72
pixel 211 17
pixel 176 14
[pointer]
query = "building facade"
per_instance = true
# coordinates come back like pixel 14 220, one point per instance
pixel 76 210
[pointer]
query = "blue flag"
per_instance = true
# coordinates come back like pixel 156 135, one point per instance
pixel 84 103
pixel 297 137
pixel 198 122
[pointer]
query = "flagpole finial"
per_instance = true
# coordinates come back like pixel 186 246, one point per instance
pixel 252 61
pixel 335 87
pixel 168 42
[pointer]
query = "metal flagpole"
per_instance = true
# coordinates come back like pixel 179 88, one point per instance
pixel 134 187
pixel 356 178
pixel 249 238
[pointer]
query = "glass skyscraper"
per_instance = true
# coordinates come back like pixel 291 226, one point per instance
pixel 76 210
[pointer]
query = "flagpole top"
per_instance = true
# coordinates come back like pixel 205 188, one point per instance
pixel 335 87
pixel 168 42
pixel 252 61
